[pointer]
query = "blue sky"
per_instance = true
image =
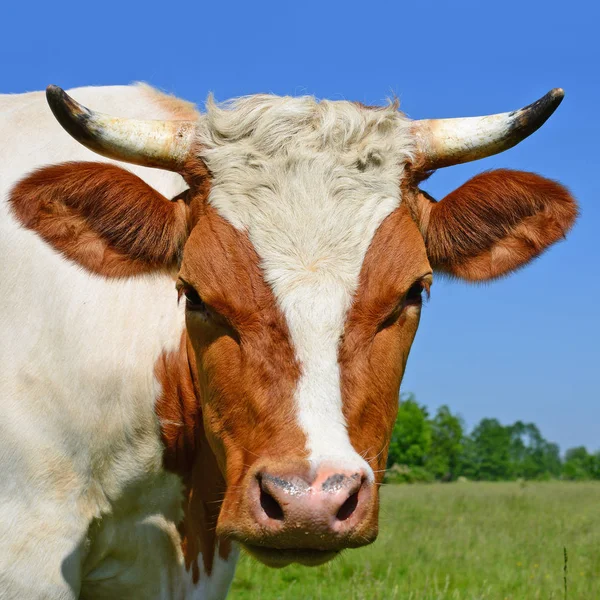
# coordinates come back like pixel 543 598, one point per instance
pixel 522 348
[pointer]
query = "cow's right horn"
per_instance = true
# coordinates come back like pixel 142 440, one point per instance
pixel 162 144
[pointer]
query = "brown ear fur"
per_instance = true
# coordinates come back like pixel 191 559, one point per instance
pixel 104 218
pixel 495 223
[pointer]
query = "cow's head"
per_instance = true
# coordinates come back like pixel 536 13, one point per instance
pixel 303 249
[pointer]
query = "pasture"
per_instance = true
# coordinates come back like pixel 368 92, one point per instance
pixel 461 541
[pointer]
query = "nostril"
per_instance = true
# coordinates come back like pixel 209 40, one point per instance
pixel 270 506
pixel 348 508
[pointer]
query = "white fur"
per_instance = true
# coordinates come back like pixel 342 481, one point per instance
pixel 310 182
pixel 216 586
pixel 85 505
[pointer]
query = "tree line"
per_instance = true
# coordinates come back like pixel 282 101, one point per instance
pixel 428 448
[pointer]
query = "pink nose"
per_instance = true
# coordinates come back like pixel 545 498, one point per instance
pixel 327 513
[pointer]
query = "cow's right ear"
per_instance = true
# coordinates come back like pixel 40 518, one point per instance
pixel 102 217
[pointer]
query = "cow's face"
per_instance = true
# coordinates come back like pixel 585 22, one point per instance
pixel 299 396
pixel 303 251
pixel 304 275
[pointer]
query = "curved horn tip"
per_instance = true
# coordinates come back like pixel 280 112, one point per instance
pixel 53 93
pixel 61 103
pixel 538 112
pixel 555 96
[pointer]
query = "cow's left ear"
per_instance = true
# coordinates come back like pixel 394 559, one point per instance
pixel 494 224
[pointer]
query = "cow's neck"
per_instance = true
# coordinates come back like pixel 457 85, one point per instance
pixel 188 454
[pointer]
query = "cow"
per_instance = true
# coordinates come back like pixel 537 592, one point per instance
pixel 205 320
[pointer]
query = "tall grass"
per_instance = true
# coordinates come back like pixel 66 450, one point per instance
pixel 470 541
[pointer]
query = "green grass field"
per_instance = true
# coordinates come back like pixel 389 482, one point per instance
pixel 457 542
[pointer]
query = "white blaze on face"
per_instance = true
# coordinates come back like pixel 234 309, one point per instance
pixel 310 183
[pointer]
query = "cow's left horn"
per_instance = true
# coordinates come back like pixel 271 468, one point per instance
pixel 446 142
pixel 162 144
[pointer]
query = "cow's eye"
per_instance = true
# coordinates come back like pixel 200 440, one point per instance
pixel 193 300
pixel 414 296
pixel 194 305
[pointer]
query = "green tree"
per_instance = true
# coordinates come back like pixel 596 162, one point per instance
pixel 411 436
pixel 579 464
pixel 532 457
pixel 447 438
pixel 488 452
pixel 552 459
pixel 595 467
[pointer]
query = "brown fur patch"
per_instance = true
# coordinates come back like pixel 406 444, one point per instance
pixel 246 364
pixel 104 218
pixel 495 223
pixel 372 358
pixel 188 454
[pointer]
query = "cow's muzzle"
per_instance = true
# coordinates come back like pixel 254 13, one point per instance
pixel 291 513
